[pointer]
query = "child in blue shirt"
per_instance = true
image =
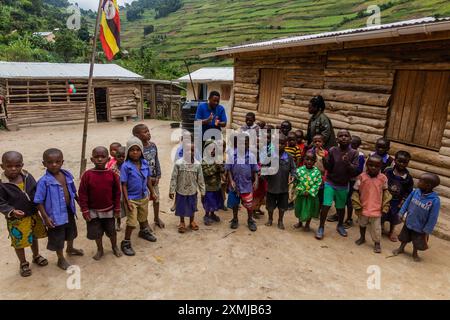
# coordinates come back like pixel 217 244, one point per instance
pixel 135 177
pixel 55 198
pixel 420 213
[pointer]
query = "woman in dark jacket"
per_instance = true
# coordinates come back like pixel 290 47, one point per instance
pixel 319 123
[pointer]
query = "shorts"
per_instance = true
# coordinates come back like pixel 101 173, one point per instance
pixel 234 200
pixel 139 212
pixel 280 201
pixel 374 224
pixel 419 240
pixel 23 231
pixel 58 235
pixel 97 227
pixel 339 196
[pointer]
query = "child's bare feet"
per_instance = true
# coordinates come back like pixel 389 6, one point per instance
pixel 116 252
pixel 269 223
pixel 75 252
pixel 360 241
pixel 398 251
pixel 393 237
pixel 160 223
pixel 98 255
pixel 280 225
pixel 298 225
pixel 416 258
pixel 377 248
pixel 63 264
pixel 307 228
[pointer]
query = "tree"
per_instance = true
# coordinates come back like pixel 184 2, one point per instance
pixel 68 46
pixel 149 29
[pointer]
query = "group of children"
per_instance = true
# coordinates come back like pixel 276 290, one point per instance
pixel 125 179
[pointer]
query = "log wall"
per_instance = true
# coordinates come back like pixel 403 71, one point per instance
pixel 357 85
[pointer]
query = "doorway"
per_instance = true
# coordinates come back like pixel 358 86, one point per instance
pixel 101 105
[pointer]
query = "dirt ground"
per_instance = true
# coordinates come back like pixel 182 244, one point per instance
pixel 212 263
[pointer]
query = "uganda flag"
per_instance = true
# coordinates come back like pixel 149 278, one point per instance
pixel 110 28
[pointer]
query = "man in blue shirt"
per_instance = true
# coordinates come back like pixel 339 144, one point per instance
pixel 211 113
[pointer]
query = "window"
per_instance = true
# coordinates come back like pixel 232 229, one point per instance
pixel 202 92
pixel 271 83
pixel 418 110
pixel 226 92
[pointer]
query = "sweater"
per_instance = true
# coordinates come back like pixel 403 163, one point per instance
pixel 99 190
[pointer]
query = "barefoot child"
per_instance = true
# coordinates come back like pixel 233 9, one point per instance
pixel 296 155
pixel 137 188
pixel 113 151
pixel 341 165
pixel 187 179
pixel 420 213
pixel 242 172
pixel 120 158
pixel 55 198
pixel 309 180
pixel 150 153
pixel 371 200
pixel 279 183
pixel 401 185
pixel 25 226
pixel 318 149
pixel 99 195
pixel 212 173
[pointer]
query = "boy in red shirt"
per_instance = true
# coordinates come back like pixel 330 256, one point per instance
pixel 99 198
pixel 371 200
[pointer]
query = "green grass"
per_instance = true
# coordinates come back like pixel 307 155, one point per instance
pixel 201 26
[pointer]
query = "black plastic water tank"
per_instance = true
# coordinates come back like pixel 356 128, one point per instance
pixel 188 111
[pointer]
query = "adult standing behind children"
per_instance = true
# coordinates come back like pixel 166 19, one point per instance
pixel 150 153
pixel 211 113
pixel 319 123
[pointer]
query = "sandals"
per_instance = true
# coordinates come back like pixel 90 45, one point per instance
pixel 193 226
pixel 25 270
pixel 40 261
pixel 182 227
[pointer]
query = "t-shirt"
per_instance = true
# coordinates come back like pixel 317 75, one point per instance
pixel 203 113
pixel 151 155
pixel 371 193
pixel 400 187
pixel 279 182
pixel 242 170
pixel 295 153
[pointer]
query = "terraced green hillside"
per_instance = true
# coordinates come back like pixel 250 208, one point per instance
pixel 202 25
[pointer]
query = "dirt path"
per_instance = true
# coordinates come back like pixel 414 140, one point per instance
pixel 212 263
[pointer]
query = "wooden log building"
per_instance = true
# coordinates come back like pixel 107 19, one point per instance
pixel 38 93
pixel 389 80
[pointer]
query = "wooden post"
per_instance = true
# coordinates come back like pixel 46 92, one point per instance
pixel 153 106
pixel 88 102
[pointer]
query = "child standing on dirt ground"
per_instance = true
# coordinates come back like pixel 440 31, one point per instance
pixel 25 226
pixel 341 165
pixel 278 184
pixel 187 179
pixel 113 147
pixel 356 143
pixel 224 176
pixel 150 153
pixel 120 158
pixel 309 180
pixel 99 198
pixel 135 177
pixel 401 185
pixel 55 198
pixel 212 173
pixel 371 200
pixel 382 148
pixel 420 213
pixel 295 153
pixel 242 172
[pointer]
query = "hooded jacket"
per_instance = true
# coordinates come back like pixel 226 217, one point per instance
pixel 421 210
pixel 12 198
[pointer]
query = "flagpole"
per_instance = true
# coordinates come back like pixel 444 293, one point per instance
pixel 88 102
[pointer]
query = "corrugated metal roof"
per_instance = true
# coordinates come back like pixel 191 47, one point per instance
pixel 210 75
pixel 44 70
pixel 330 36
